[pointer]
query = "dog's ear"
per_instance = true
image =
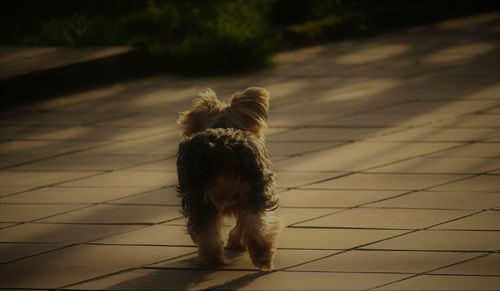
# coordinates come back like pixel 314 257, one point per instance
pixel 249 109
pixel 206 106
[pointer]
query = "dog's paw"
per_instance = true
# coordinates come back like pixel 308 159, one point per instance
pixel 262 258
pixel 264 262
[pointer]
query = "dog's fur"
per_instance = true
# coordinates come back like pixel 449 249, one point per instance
pixel 224 169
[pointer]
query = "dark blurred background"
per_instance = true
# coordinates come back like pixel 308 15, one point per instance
pixel 228 34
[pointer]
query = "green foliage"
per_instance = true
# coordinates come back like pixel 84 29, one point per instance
pixel 231 35
pixel 66 31
pixel 209 35
pixel 154 25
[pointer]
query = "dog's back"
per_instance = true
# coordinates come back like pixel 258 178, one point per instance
pixel 224 169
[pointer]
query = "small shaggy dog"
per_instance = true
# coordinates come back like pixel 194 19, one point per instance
pixel 224 170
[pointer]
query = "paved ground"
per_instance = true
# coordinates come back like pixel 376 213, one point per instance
pixel 388 157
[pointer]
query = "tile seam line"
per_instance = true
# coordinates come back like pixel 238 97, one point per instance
pixel 458 263
pixel 404 194
pixel 125 270
pixel 410 232
pixel 57 183
pixel 40 253
pixel 422 229
pixel 468 176
pixel 388 228
pixel 362 171
pixel 98 173
pixel 381 240
pixel 427 272
pixel 112 142
pixel 354 207
pixel 154 157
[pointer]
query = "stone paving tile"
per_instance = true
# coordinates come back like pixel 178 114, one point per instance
pixel 476 150
pixel 158 145
pixel 278 149
pixel 316 280
pixel 386 120
pixel 456 107
pixel 332 198
pixel 358 156
pixel 277 119
pixel 440 166
pixel 488 92
pixel 295 215
pixel 162 165
pixel 127 179
pixel 6 224
pixel 171 235
pixel 386 218
pixel 70 195
pixel 484 265
pixel 106 256
pixel 30 212
pixel 435 282
pixel 23 276
pixel 488 183
pixel 241 261
pixel 8 190
pixel 387 181
pixel 385 261
pixel 85 162
pixel 443 240
pixel 471 121
pixel 140 120
pixel 43 148
pixel 154 279
pixel 331 239
pixel 14 251
pixel 442 200
pixel 10 160
pixel 77 133
pixel 164 196
pixel 488 220
pixel 32 179
pixel 64 233
pixel 324 134
pixel 340 106
pixel 440 135
pixel 493 111
pixel 58 118
pixel 109 214
pixel 297 179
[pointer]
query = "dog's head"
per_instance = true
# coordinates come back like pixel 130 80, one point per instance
pixel 247 110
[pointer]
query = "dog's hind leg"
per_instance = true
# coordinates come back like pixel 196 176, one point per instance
pixel 210 242
pixel 259 234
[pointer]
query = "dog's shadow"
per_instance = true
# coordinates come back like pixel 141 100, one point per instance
pixel 185 273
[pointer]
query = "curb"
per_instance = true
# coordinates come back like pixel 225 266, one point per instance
pixel 44 84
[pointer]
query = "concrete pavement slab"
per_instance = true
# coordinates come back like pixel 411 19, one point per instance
pixel 442 200
pixel 385 261
pixel 435 282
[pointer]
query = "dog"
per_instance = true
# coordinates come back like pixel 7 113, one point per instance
pixel 223 170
